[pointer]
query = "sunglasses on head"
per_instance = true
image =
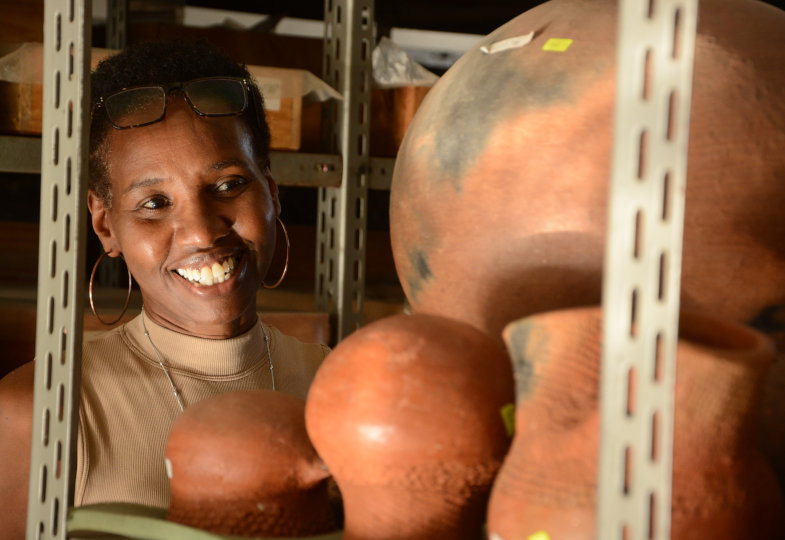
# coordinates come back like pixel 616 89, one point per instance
pixel 145 105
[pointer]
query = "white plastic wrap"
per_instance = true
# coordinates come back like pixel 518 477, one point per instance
pixel 393 68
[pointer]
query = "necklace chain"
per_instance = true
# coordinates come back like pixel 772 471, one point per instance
pixel 175 391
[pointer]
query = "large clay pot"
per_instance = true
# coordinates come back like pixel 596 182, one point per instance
pixel 241 463
pixel 722 487
pixel 499 193
pixel 406 414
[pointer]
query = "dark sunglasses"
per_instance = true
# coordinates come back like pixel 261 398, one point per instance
pixel 145 105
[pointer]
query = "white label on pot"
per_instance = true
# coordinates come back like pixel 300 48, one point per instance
pixel 509 43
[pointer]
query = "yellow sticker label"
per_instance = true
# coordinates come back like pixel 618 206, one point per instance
pixel 540 535
pixel 508 416
pixel 557 45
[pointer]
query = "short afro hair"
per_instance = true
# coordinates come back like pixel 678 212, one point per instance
pixel 164 62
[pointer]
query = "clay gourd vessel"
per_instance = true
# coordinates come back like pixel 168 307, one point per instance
pixel 722 487
pixel 499 192
pixel 406 414
pixel 241 463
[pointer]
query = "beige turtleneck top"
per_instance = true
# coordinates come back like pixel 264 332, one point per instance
pixel 127 404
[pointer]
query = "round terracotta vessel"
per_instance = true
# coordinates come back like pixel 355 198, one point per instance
pixel 406 414
pixel 241 463
pixel 499 193
pixel 722 487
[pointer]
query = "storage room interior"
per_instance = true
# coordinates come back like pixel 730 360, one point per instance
pixel 284 40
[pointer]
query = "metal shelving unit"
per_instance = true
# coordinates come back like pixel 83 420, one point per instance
pixel 343 178
pixel 62 240
pixel 20 154
pixel 642 271
pixel 342 213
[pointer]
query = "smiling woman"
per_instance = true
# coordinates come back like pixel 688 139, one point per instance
pixel 180 186
pixel 192 192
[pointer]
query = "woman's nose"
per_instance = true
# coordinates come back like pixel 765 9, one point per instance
pixel 200 224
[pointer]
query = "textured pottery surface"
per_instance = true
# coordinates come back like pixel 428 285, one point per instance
pixel 242 464
pixel 406 414
pixel 499 194
pixel 722 487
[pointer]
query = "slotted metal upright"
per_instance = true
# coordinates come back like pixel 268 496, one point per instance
pixel 342 211
pixel 61 269
pixel 341 243
pixel 116 23
pixel 643 266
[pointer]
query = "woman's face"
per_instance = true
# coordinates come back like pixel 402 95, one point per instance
pixel 193 214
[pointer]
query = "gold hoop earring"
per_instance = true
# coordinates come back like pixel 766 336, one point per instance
pixel 286 264
pixel 90 293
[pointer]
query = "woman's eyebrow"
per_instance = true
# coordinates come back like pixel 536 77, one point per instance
pixel 146 182
pixel 217 166
pixel 226 163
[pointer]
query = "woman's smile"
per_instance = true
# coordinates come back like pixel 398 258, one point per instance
pixel 209 275
pixel 213 276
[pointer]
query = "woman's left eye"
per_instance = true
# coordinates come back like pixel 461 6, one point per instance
pixel 231 184
pixel 154 203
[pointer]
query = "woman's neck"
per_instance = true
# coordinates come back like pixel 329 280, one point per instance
pixel 216 329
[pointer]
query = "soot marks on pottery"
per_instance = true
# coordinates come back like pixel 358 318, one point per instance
pixel 518 343
pixel 466 110
pixel 421 274
pixel 421 264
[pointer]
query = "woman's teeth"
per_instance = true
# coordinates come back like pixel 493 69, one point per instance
pixel 209 275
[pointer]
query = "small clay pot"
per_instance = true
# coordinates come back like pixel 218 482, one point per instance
pixel 722 487
pixel 241 463
pixel 406 414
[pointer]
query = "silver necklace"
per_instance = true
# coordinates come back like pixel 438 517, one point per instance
pixel 169 376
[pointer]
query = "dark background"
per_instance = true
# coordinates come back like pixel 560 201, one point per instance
pixel 470 16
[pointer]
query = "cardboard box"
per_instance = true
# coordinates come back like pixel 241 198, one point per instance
pixel 282 90
pixel 392 111
pixel 21 108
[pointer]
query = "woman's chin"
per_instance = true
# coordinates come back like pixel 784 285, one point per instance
pixel 211 322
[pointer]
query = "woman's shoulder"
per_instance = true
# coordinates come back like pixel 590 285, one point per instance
pixel 16 404
pixel 16 389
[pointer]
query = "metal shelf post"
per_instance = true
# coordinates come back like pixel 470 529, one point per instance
pixel 642 275
pixel 341 219
pixel 61 269
pixel 116 23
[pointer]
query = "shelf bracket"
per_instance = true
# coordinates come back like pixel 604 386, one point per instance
pixel 342 211
pixel 642 275
pixel 116 23
pixel 62 241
